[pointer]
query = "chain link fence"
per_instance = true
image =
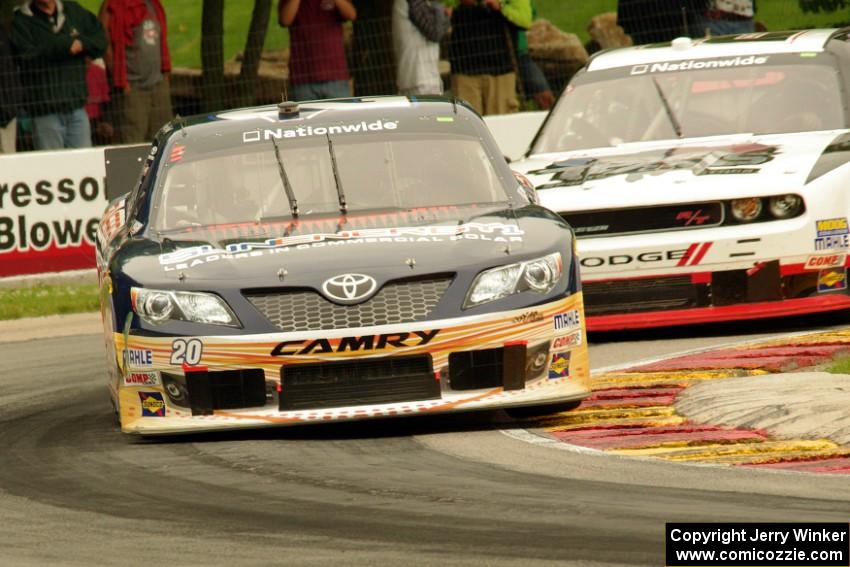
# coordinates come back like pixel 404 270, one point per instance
pixel 543 57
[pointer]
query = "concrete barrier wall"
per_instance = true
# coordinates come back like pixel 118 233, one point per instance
pixel 51 202
pixel 514 132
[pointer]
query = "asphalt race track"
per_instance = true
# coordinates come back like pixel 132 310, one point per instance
pixel 435 490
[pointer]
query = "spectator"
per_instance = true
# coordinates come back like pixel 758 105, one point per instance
pixel 482 52
pixel 532 81
pixel 103 132
pixel 52 39
pixel 9 95
pixel 660 21
pixel 418 27
pixel 317 67
pixel 139 63
pixel 727 17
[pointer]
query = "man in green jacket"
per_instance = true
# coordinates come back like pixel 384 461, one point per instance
pixel 482 52
pixel 52 39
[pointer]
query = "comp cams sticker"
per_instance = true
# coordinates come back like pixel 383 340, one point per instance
pixel 824 261
pixel 567 341
pixel 142 379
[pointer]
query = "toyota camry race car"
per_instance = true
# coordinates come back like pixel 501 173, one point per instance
pixel 705 180
pixel 331 261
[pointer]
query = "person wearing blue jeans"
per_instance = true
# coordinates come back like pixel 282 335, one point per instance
pixel 52 40
pixel 62 130
pixel 728 17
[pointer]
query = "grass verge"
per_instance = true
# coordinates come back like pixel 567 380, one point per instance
pixel 839 366
pixel 40 300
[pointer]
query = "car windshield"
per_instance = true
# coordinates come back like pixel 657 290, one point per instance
pixel 709 102
pixel 244 184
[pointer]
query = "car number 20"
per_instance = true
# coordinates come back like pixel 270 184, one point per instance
pixel 186 351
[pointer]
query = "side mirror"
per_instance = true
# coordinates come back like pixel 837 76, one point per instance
pixel 526 188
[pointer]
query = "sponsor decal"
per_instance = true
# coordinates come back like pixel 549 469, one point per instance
pixel 697 64
pixel 837 242
pixel 355 344
pixel 690 256
pixel 694 254
pixel 591 229
pixel 266 134
pixel 737 159
pixel 152 404
pixel 186 351
pixel 138 357
pixel 692 218
pixel 142 379
pixel 568 320
pixel 832 227
pixel 528 317
pixel 832 280
pixel 177 152
pixel 198 255
pixel 559 367
pixel 567 341
pixel 821 262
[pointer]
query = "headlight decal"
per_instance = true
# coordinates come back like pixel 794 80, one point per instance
pixel 539 275
pixel 158 306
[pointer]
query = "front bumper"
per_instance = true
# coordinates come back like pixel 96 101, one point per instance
pixel 531 356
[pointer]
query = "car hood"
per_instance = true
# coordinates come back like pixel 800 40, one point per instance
pixel 693 170
pixel 385 246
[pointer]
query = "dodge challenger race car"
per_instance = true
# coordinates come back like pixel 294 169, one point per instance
pixel 705 180
pixel 336 260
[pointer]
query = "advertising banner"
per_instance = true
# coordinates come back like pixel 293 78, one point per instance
pixel 50 205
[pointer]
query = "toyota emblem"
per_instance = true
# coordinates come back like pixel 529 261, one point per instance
pixel 349 288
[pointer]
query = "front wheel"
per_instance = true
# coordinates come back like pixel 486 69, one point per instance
pixel 536 411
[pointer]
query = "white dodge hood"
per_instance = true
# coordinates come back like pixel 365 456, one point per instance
pixel 668 172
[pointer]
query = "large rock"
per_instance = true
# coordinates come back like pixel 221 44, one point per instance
pixel 558 53
pixel 605 33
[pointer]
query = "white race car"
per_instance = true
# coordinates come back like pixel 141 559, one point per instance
pixel 706 180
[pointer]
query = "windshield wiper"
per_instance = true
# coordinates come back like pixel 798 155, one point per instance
pixel 342 205
pixel 677 127
pixel 290 194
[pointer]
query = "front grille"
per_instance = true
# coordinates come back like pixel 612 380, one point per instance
pixel 205 391
pixel 646 294
pixel 611 222
pixel 339 384
pixel 404 301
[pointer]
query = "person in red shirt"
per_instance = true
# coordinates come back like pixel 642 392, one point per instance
pixel 139 63
pixel 317 67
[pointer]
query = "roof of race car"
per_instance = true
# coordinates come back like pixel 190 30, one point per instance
pixel 348 110
pixel 680 49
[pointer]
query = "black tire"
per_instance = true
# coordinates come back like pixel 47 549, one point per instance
pixel 536 411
